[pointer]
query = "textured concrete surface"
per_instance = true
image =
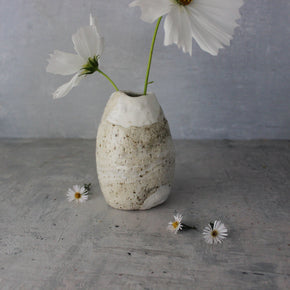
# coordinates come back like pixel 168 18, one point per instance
pixel 48 243
pixel 243 93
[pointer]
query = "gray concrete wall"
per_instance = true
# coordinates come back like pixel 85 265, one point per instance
pixel 243 93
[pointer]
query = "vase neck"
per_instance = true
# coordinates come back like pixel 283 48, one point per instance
pixel 129 111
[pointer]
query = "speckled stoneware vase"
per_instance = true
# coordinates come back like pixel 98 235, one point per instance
pixel 135 153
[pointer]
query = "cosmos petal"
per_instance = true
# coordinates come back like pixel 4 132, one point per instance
pixel 88 42
pixel 178 29
pixel 227 9
pixel 223 16
pixel 66 88
pixel 64 63
pixel 210 22
pixel 213 22
pixel 93 21
pixel 206 40
pixel 152 9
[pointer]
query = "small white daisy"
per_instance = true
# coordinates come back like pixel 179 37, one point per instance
pixel 176 225
pixel 78 194
pixel 215 232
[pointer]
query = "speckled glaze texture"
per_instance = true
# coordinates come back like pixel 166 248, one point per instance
pixel 134 153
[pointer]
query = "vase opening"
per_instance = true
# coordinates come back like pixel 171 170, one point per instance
pixel 132 94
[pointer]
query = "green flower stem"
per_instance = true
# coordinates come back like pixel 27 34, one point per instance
pixel 150 55
pixel 107 77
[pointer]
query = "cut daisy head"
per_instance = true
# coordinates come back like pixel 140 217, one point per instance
pixel 215 232
pixel 210 22
pixel 78 194
pixel 88 45
pixel 176 225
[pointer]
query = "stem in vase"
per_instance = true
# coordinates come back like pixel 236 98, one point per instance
pixel 107 77
pixel 150 55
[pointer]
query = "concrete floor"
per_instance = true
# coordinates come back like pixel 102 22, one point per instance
pixel 48 243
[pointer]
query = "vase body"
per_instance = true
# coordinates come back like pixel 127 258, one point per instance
pixel 134 152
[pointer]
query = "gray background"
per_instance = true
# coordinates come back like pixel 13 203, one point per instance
pixel 240 94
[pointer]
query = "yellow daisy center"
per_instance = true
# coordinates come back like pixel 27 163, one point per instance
pixel 183 2
pixel 78 195
pixel 214 233
pixel 175 224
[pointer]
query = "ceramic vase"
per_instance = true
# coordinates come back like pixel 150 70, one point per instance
pixel 134 152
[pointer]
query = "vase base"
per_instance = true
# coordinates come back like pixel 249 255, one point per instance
pixel 153 200
pixel 156 198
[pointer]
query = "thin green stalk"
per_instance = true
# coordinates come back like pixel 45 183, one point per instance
pixel 107 77
pixel 150 55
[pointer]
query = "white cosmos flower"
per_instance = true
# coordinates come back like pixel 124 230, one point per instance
pixel 88 45
pixel 210 22
pixel 215 232
pixel 78 194
pixel 176 225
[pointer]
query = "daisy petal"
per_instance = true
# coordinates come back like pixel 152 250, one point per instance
pixel 70 198
pixel 87 42
pixel 178 217
pixel 82 190
pixel 76 188
pixel 64 63
pixel 216 224
pixel 152 9
pixel 66 88
pixel 83 198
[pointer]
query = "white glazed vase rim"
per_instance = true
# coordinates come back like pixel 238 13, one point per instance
pixel 127 111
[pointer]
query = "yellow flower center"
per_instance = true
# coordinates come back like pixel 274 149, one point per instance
pixel 175 224
pixel 183 2
pixel 78 195
pixel 214 233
